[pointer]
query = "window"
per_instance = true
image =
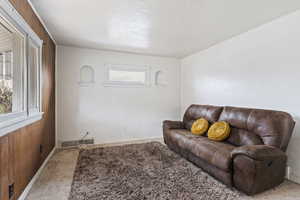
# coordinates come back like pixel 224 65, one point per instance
pixel 125 75
pixel 20 66
pixel 6 82
pixel 12 67
pixel 34 63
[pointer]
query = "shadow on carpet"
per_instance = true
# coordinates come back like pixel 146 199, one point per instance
pixel 142 171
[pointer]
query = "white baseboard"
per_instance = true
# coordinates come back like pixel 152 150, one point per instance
pixel 35 177
pixel 294 178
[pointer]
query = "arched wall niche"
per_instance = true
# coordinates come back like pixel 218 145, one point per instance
pixel 87 75
pixel 160 78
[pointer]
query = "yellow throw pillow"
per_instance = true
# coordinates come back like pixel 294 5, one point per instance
pixel 199 126
pixel 219 131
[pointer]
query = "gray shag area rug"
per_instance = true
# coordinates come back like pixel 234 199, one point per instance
pixel 142 171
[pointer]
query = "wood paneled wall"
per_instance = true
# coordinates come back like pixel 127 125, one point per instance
pixel 20 153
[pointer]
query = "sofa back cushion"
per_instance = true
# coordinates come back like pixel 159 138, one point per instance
pixel 255 126
pixel 240 137
pixel 194 112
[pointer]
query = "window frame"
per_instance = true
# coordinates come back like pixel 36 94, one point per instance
pixel 39 46
pixel 128 68
pixel 12 121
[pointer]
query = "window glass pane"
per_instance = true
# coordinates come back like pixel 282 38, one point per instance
pixel 33 56
pixel 11 69
pixel 127 76
pixel 6 82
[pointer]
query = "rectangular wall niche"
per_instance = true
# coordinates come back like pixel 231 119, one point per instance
pixel 127 76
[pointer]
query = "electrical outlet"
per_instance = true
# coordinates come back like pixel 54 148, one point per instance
pixel 11 189
pixel 288 172
pixel 41 148
pixel 86 134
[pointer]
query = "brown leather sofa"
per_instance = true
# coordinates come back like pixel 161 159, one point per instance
pixel 252 159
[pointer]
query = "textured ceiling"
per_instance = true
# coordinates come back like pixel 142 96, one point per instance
pixel 174 28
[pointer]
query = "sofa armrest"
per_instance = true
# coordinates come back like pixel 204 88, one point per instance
pixel 257 168
pixel 258 152
pixel 167 124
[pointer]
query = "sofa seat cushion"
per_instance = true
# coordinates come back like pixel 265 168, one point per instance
pixel 217 154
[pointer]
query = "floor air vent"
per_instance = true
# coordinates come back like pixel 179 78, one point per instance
pixel 75 143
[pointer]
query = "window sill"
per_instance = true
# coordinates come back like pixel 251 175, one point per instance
pixel 17 123
pixel 124 84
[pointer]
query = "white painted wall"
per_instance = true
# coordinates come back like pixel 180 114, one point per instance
pixel 113 114
pixel 260 69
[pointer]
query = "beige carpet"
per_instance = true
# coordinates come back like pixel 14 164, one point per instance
pixel 56 179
